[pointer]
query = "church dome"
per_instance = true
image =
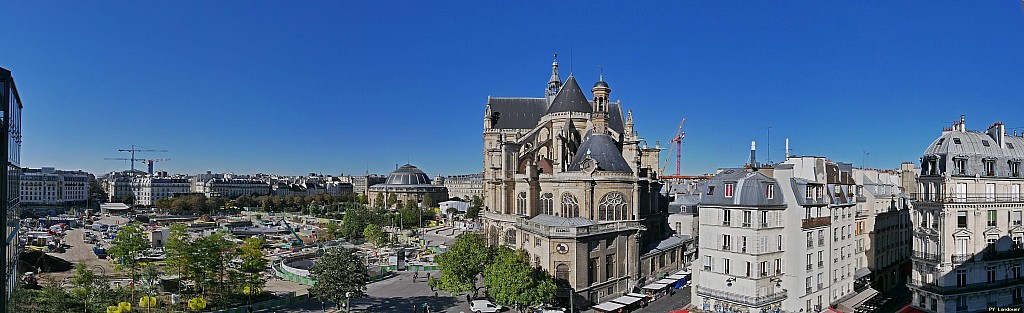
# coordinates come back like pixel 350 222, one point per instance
pixel 601 84
pixel 408 175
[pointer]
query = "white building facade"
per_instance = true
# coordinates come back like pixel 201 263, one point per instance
pixel 967 222
pixel 48 186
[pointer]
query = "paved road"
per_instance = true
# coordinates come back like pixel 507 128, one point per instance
pixel 401 294
pixel 668 303
pixel 80 252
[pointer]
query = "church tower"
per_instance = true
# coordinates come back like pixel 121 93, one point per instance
pixel 600 115
pixel 554 83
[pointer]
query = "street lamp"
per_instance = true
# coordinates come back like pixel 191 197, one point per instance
pixel 348 306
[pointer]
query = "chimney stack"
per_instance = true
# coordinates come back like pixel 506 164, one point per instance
pixel 753 154
pixel 787 148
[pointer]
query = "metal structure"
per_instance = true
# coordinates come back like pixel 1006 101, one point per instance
pixel 675 145
pixel 298 240
pixel 135 149
pixel 149 163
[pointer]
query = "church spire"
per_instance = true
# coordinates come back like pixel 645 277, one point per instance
pixel 555 82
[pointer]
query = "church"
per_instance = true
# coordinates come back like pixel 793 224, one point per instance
pixel 568 180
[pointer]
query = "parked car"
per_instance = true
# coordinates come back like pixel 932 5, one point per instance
pixel 484 306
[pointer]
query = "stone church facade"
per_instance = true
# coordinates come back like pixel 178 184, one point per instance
pixel 567 179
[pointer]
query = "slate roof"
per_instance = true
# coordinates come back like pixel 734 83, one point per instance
pixel 550 220
pixel 517 113
pixel 665 244
pixel 973 143
pixel 408 175
pixel 570 99
pixel 602 149
pixel 749 189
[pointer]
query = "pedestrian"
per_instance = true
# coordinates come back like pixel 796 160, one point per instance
pixel 415 276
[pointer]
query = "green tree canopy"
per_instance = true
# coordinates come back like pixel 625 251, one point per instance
pixel 337 272
pixel 462 264
pixel 375 234
pixel 128 245
pixel 510 279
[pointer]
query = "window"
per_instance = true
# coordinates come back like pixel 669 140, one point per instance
pixel 570 207
pixel 726 242
pixel 726 264
pixel 810 264
pixel 746 218
pixel 521 203
pixel 764 218
pixel 609 266
pixel 990 192
pixel 764 268
pixel 961 219
pixel 707 263
pixel 609 243
pixel 1015 169
pixel 961 278
pixel 1015 218
pixel 728 190
pixel 536 241
pixel 985 143
pixel 810 241
pixel 961 303
pixel 711 190
pixel 778 266
pixel 743 244
pixel 592 271
pixel 956 140
pixel 991 218
pixel 726 217
pixel 547 204
pixel 510 237
pixel 960 166
pixel 612 207
pixel 593 245
pixel 780 242
pixel 990 274
pixel 770 191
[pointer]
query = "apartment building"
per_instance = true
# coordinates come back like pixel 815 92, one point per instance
pixel 967 233
pixel 49 186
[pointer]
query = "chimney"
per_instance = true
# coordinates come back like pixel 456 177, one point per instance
pixel 998 133
pixel 753 153
pixel 787 148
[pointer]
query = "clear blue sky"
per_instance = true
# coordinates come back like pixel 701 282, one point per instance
pixel 345 86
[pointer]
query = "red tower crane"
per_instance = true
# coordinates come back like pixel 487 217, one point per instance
pixel 675 144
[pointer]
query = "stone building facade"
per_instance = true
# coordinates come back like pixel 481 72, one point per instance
pixel 966 219
pixel 567 180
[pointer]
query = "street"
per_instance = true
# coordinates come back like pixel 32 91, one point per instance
pixel 668 303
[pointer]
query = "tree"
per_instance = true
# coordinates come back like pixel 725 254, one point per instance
pixel 379 201
pixel 511 281
pixel 128 199
pixel 478 201
pixel 362 199
pixel 392 199
pixel 472 212
pixel 428 201
pixel 460 266
pixel 128 245
pixel 253 264
pixel 374 234
pixel 339 271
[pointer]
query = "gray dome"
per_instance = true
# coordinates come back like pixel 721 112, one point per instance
pixel 954 143
pixel 601 83
pixel 408 175
pixel 602 149
pixel 570 99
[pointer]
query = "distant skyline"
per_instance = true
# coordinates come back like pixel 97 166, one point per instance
pixel 349 87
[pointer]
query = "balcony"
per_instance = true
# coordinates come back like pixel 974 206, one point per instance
pixel 948 290
pixel 960 258
pixel 820 286
pixel 747 300
pixel 810 267
pixel 815 222
pixel 930 257
pixel 727 247
pixel 810 243
pixel 968 197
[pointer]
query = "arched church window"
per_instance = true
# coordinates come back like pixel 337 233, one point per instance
pixel 570 207
pixel 521 203
pixel 562 272
pixel 547 204
pixel 510 237
pixel 612 207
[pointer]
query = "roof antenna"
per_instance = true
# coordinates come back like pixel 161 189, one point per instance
pixel 570 57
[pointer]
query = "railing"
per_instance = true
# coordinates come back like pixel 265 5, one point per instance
pixel 727 247
pixel 821 264
pixel 820 285
pixel 960 258
pixel 815 222
pixel 810 243
pixel 810 267
pixel 969 197
pixel 860 249
pixel 985 286
pixel 753 301
pixel 933 257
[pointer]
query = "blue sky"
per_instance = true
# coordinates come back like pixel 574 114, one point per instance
pixel 349 86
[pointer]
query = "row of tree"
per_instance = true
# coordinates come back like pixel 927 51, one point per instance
pixel 89 292
pixel 215 267
pixel 507 274
pixel 357 217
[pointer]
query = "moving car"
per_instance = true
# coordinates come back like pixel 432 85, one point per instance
pixel 484 306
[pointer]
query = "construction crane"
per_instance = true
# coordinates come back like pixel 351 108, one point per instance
pixel 133 150
pixel 676 145
pixel 149 163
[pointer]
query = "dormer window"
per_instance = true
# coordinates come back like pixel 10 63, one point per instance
pixel 728 189
pixel 940 141
pixel 770 191
pixel 711 190
pixel 984 143
pixel 960 166
pixel 1015 169
pixel 956 140
pixel 990 167
pixel 1009 145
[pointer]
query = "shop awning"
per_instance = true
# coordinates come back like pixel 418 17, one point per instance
pixel 676 276
pixel 633 294
pixel 853 302
pixel 626 300
pixel 608 306
pixel 655 286
pixel 667 281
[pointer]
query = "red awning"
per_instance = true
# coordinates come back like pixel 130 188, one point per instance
pixel 910 309
pixel 679 311
pixel 834 310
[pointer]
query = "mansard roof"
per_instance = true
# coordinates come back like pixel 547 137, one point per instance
pixel 749 189
pixel 972 143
